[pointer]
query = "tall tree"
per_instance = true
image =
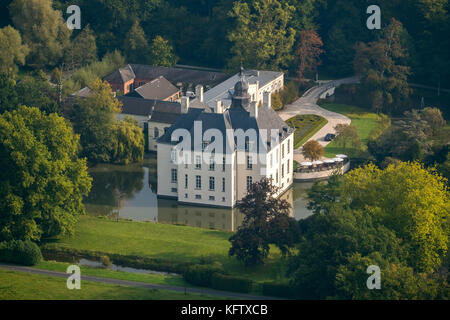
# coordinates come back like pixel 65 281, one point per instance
pixel 43 30
pixel 43 181
pixel 136 46
pixel 82 50
pixel 161 53
pixel 8 94
pixel 266 221
pixel 94 120
pixel 12 51
pixel 262 38
pixel 411 201
pixel 383 70
pixel 129 142
pixel 309 50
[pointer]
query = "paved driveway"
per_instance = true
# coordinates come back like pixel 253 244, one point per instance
pixel 307 104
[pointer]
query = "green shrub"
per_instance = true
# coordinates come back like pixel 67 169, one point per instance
pixel 277 290
pixel 201 275
pixel 106 262
pixel 230 283
pixel 20 252
pixel 289 93
pixel 277 104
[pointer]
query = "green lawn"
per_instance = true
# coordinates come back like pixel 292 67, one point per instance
pixel 167 242
pixel 365 122
pixel 16 285
pixel 171 280
pixel 305 127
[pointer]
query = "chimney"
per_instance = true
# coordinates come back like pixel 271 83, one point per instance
pixel 267 102
pixel 199 92
pixel 218 108
pixel 184 104
pixel 254 110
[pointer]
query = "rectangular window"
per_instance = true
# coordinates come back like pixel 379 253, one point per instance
pixel 156 132
pixel 223 184
pixel 212 198
pixel 282 151
pixel 185 181
pixel 249 163
pixel 288 167
pixel 282 171
pixel 174 175
pixel 211 164
pixel 271 160
pixel 198 196
pixel 174 190
pixel 173 156
pixel 249 182
pixel 198 182
pixel 211 183
pixel 288 147
pixel 198 162
pixel 277 176
pixel 223 164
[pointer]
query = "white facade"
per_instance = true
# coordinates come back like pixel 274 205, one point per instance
pixel 218 184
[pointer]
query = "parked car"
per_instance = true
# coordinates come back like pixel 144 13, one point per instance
pixel 330 136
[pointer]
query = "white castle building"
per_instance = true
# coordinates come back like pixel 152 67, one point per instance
pixel 225 140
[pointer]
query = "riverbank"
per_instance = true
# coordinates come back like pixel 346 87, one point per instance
pixel 169 245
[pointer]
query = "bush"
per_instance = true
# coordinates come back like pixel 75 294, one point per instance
pixel 289 93
pixel 277 290
pixel 230 283
pixel 106 262
pixel 277 104
pixel 20 252
pixel 201 275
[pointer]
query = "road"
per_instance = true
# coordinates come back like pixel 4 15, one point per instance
pixel 209 292
pixel 307 104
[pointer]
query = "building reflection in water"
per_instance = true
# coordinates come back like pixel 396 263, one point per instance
pixel 169 211
pixel 131 191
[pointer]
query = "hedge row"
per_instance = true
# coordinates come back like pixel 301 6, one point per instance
pixel 20 252
pixel 51 252
pixel 230 283
pixel 213 276
pixel 277 290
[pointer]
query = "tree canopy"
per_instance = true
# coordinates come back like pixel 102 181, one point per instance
pixel 43 181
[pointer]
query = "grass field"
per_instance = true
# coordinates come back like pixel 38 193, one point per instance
pixel 167 242
pixel 26 286
pixel 171 280
pixel 365 122
pixel 305 127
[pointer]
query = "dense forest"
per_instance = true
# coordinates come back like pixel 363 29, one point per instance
pixel 213 32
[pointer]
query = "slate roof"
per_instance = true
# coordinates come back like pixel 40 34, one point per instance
pixel 159 88
pixel 174 75
pixel 225 90
pixel 146 107
pixel 121 75
pixel 232 118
